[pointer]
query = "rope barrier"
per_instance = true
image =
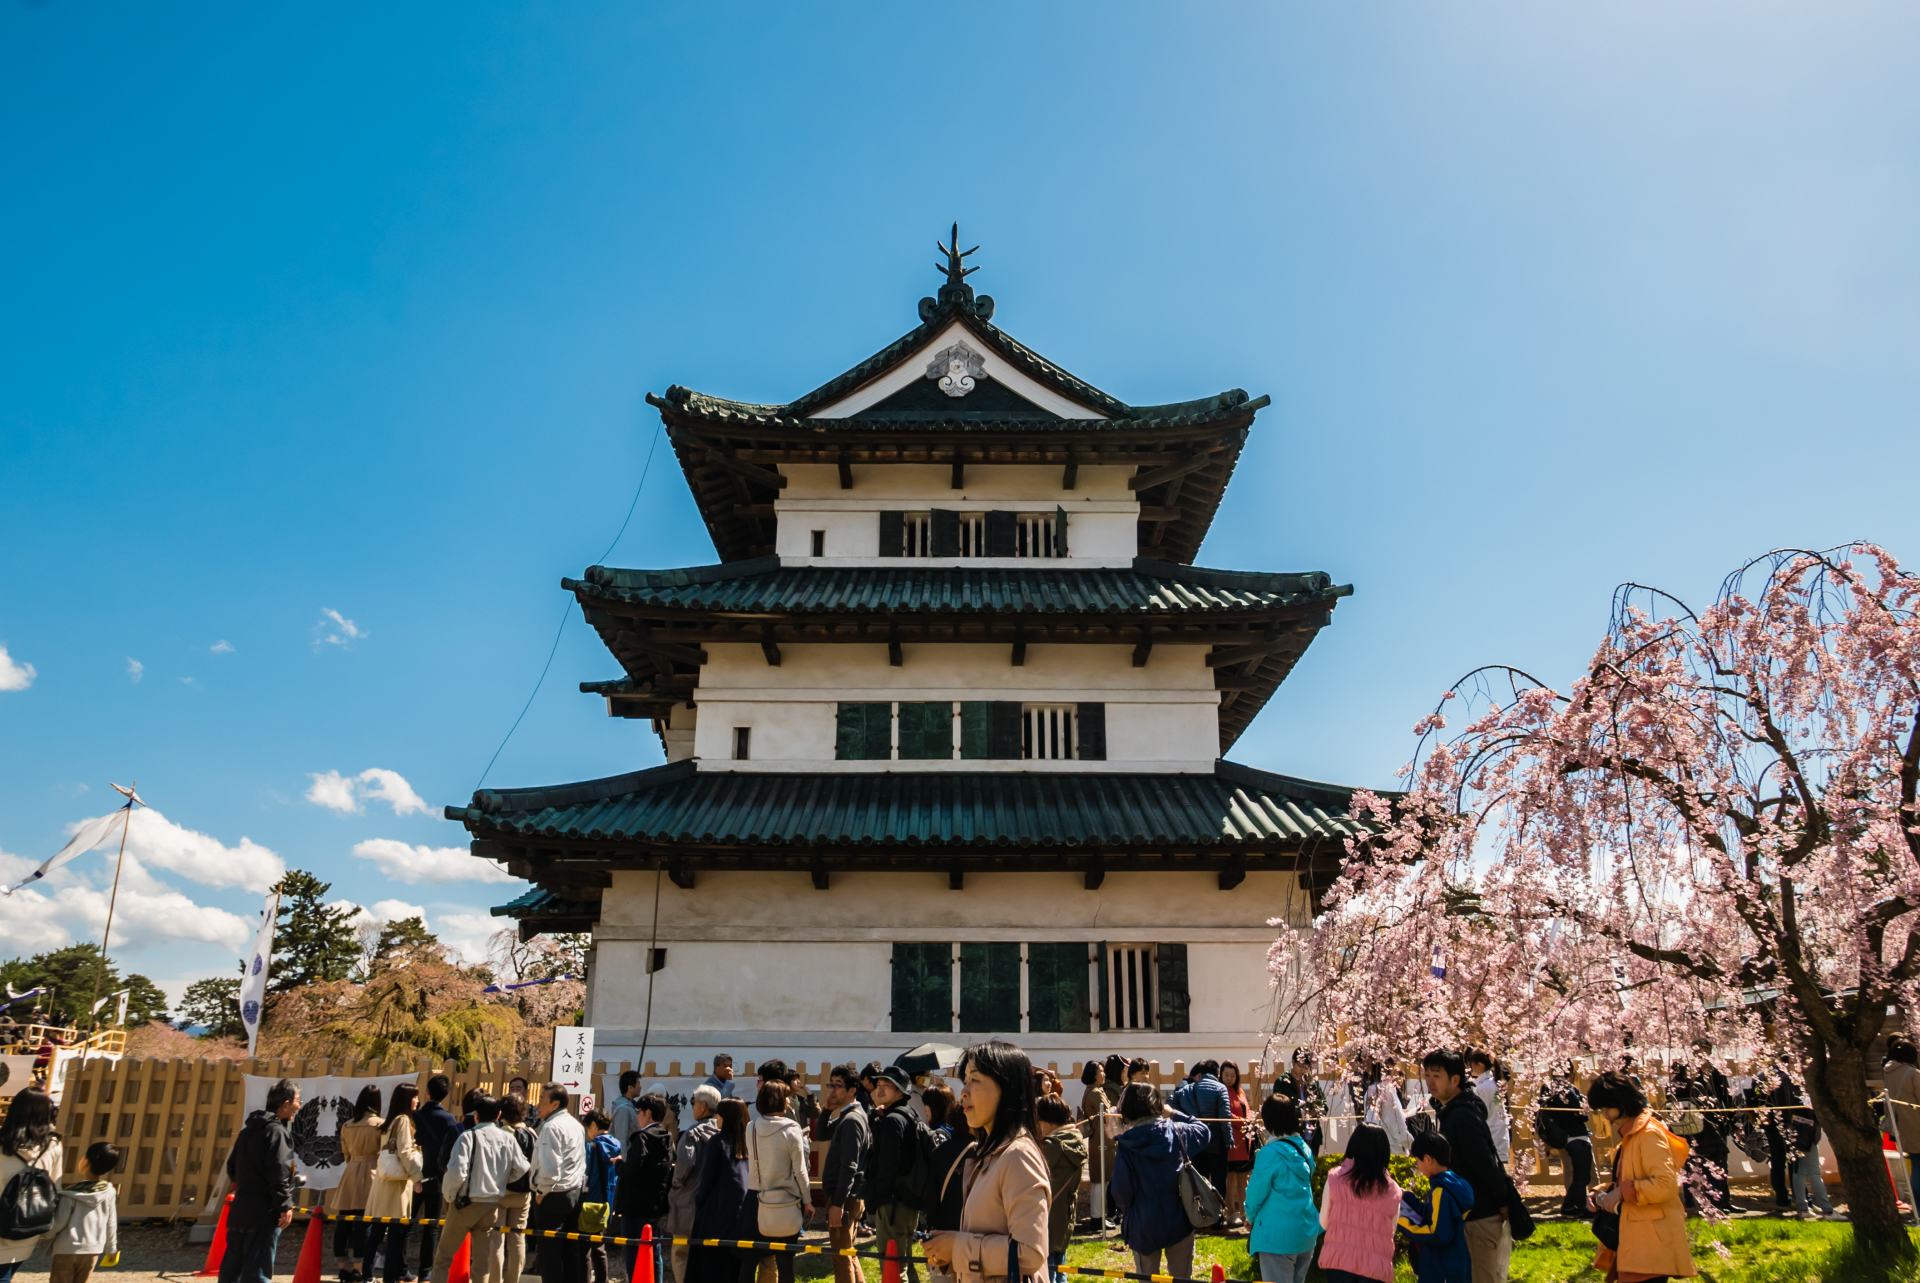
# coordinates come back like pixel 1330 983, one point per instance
pixel 742 1244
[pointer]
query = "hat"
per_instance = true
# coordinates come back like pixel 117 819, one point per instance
pixel 898 1077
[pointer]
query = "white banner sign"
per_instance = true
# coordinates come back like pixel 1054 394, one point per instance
pixel 16 1072
pixel 253 985
pixel 573 1057
pixel 326 1105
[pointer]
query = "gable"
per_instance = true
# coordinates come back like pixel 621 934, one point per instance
pixel 970 369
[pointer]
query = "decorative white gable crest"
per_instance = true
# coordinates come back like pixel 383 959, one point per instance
pixel 957 367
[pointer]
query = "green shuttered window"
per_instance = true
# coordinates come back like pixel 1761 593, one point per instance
pixel 1057 989
pixel 990 988
pixel 926 731
pixel 923 988
pixel 864 733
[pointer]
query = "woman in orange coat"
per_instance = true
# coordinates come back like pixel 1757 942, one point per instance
pixel 1646 1188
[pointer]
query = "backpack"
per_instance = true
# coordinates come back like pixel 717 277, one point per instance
pixel 919 1185
pixel 27 1204
pixel 1550 1121
pixel 523 1137
pixel 645 1176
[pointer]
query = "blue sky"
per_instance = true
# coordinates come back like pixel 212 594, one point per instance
pixel 322 310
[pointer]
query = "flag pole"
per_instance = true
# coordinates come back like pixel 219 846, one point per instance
pixel 113 897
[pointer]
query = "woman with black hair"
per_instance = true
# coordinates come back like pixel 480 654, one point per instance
pixel 1645 1191
pixel 359 1145
pixel 1003 1216
pixel 1095 1101
pixel 1146 1179
pixel 720 1198
pixel 27 1139
pixel 1357 1210
pixel 397 1164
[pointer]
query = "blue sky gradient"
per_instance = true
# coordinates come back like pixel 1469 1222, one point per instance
pixel 333 309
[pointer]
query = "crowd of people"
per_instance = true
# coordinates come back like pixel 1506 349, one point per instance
pixel 985 1181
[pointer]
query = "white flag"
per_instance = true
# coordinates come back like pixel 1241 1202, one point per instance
pixel 253 985
pixel 90 834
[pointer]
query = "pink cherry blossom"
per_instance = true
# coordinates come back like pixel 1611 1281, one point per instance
pixel 1709 834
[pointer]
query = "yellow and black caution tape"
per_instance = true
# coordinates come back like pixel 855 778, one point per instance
pixel 743 1244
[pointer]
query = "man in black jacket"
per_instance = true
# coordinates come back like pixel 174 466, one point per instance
pixel 433 1128
pixel 1463 1121
pixel 891 1162
pixel 1560 1121
pixel 843 1176
pixel 260 1169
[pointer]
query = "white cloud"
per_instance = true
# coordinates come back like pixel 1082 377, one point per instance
pixel 15 674
pixel 404 862
pixel 188 681
pixel 147 911
pixel 221 647
pixel 371 917
pixel 343 793
pixel 335 629
pixel 467 933
pixel 333 791
pixel 392 788
pixel 135 670
pixel 158 841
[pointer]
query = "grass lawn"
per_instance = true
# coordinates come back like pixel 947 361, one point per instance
pixel 1757 1251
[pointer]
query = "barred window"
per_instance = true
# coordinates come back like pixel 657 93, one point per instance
pixel 1047 733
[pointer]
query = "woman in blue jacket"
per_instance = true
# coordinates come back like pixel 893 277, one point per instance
pixel 1285 1223
pixel 1146 1180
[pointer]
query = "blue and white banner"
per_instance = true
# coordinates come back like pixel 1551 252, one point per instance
pixel 253 985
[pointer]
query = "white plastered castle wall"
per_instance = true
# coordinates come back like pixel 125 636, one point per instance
pixel 1102 513
pixel 762 964
pixel 1163 716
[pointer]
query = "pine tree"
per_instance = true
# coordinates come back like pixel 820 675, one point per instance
pixel 214 1004
pixel 402 942
pixel 313 942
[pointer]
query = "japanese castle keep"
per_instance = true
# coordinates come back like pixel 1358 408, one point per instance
pixel 944 728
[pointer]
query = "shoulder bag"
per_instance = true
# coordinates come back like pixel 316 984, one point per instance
pixel 390 1166
pixel 1198 1197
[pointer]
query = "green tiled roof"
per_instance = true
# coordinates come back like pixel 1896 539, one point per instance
pixel 541 903
pixel 1149 588
pixel 1233 807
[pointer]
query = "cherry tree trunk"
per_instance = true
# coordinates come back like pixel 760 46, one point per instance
pixel 1837 1085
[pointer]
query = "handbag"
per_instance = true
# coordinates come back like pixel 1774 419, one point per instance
pixel 593 1218
pixel 1198 1198
pixel 772 1219
pixel 390 1166
pixel 1606 1225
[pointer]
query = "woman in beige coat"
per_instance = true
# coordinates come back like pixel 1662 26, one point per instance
pixel 777 1172
pixel 359 1144
pixel 27 1139
pixel 1003 1221
pixel 393 1196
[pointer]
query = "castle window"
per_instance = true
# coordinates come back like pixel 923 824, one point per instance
pixel 819 543
pixel 947 533
pixel 1132 995
pixel 742 743
pixel 1047 732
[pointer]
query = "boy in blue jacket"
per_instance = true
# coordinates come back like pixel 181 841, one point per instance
pixel 1436 1232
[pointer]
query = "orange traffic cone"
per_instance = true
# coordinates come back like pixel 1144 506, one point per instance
pixel 461 1270
pixel 313 1251
pixel 218 1248
pixel 643 1261
pixel 890 1265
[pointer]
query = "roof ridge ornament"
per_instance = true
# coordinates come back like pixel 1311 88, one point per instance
pixel 956 295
